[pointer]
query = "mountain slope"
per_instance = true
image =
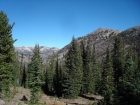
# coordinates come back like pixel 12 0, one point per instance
pixel 45 52
pixel 102 38
pixel 131 36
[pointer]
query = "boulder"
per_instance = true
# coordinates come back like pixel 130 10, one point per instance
pixel 2 102
pixel 24 98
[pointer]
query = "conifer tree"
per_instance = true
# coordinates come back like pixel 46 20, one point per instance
pixel 83 55
pixel 58 79
pixel 135 57
pixel 73 74
pixel 118 65
pixel 6 54
pixel 16 72
pixel 82 48
pixel 35 75
pixel 21 70
pixel 129 82
pixel 88 84
pixel 27 75
pixel 96 72
pixel 126 83
pixel 107 87
pixel 24 77
pixel 50 73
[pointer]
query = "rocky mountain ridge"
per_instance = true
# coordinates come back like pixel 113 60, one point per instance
pixel 104 37
pixel 101 38
pixel 45 52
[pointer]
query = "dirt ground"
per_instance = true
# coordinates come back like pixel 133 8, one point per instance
pixel 20 92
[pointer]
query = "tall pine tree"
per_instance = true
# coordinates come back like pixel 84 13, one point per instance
pixel 107 82
pixel 35 75
pixel 16 72
pixel 73 73
pixel 24 76
pixel 83 55
pixel 6 54
pixel 50 73
pixel 96 72
pixel 118 65
pixel 129 82
pixel 21 70
pixel 58 78
pixel 88 84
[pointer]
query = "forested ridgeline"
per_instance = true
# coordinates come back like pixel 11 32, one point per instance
pixel 116 78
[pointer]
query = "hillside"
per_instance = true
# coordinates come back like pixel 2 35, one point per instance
pixel 131 36
pixel 104 37
pixel 101 38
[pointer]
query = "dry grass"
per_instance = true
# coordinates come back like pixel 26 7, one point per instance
pixel 19 92
pixel 56 103
pixel 17 95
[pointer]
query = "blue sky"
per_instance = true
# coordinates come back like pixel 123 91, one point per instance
pixel 52 23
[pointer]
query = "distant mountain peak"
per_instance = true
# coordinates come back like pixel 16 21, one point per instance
pixel 45 52
pixel 101 38
pixel 104 29
pixel 104 37
pixel 104 33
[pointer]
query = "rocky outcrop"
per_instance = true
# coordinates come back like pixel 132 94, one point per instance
pixel 101 38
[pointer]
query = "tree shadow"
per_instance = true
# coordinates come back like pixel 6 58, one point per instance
pixel 87 97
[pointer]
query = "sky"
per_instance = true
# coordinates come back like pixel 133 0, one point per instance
pixel 53 23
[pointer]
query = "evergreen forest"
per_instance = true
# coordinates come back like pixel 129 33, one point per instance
pixel 116 77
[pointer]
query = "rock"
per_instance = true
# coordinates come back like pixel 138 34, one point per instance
pixel 24 98
pixel 2 102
